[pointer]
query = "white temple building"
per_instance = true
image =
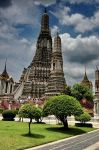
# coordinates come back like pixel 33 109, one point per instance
pixel 6 85
pixel 96 99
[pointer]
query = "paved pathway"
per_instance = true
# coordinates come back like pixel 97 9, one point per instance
pixel 82 142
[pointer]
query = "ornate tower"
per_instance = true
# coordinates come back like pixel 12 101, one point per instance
pixel 96 100
pixel 86 81
pixel 36 76
pixel 6 85
pixel 4 73
pixel 56 84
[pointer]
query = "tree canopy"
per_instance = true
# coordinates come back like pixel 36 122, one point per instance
pixel 38 115
pixel 79 92
pixel 62 106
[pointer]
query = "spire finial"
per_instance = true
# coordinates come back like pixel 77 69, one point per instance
pixel 57 32
pixel 5 64
pixel 5 74
pixel 85 69
pixel 45 11
pixel 96 67
pixel 85 76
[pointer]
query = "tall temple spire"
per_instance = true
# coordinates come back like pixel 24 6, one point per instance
pixel 5 74
pixel 45 22
pixel 37 74
pixel 57 43
pixel 56 83
pixel 44 42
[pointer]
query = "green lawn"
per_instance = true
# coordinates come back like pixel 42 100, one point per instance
pixel 13 135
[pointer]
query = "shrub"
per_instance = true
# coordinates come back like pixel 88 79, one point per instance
pixel 83 118
pixel 1 110
pixel 16 111
pixel 84 125
pixel 8 115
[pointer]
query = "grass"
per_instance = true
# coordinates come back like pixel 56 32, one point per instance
pixel 13 135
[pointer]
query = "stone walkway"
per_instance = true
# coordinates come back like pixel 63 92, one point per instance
pixel 87 141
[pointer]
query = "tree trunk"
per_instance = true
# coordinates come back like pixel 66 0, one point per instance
pixel 30 126
pixel 65 123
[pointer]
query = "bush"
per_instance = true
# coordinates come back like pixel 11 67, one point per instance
pixel 83 118
pixel 8 115
pixel 1 110
pixel 83 125
pixel 16 111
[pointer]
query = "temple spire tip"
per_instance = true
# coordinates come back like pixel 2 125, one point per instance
pixel 45 10
pixel 96 67
pixel 5 64
pixel 85 69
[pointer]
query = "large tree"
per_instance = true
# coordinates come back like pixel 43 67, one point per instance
pixel 62 106
pixel 81 92
pixel 28 111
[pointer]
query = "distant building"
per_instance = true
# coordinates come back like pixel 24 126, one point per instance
pixel 6 85
pixel 86 82
pixel 96 99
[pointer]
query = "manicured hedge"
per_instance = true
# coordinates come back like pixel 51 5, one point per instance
pixel 83 125
pixel 8 115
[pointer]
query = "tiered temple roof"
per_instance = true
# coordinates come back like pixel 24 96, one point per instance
pixel 86 81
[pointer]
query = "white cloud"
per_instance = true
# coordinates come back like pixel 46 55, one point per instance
pixel 78 52
pixel 8 31
pixel 80 49
pixel 44 2
pixel 81 1
pixel 15 48
pixel 80 22
pixel 74 73
pixel 54 30
pixel 20 12
pixel 19 53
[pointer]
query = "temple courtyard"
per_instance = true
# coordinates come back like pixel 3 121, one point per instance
pixel 14 135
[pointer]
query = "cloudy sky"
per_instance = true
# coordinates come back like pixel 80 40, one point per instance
pixel 77 22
